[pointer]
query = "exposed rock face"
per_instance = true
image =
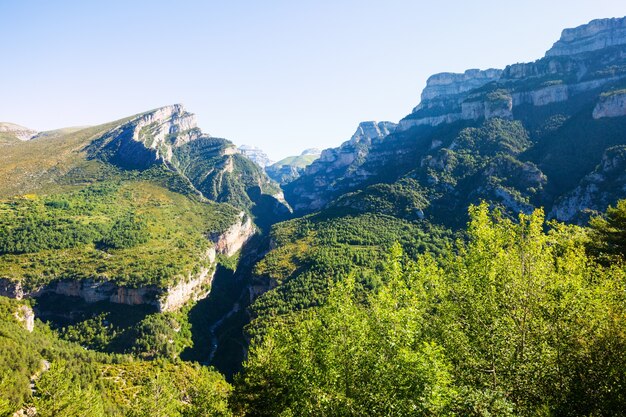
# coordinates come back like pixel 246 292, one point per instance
pixel 610 105
pixel 147 138
pixel 195 288
pixel 442 99
pixel 605 185
pixel 334 164
pixel 256 155
pixel 26 316
pixel 233 239
pixel 20 132
pixel 564 72
pixel 190 288
pixel 369 131
pixel 447 85
pixel 595 35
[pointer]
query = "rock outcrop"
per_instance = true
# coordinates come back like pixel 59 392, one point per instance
pixel 233 239
pixel 192 287
pixel 147 138
pixel 610 104
pixel 595 35
pixel 19 132
pixel 26 317
pixel 442 98
pixel 334 165
pixel 596 191
pixel 256 155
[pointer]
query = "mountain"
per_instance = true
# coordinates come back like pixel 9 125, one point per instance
pixel 291 167
pixel 139 200
pixel 525 136
pixel 256 155
pixel 12 132
pixel 315 187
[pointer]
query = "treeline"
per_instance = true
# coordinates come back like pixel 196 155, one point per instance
pixel 514 321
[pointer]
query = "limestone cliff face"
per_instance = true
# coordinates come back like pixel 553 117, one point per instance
pixel 233 239
pixel 586 68
pixel 595 35
pixel 256 155
pixel 575 64
pixel 147 138
pixel 192 287
pixel 26 316
pixel 596 191
pixel 610 105
pixel 446 84
pixel 20 132
pixel 334 165
pixel 441 100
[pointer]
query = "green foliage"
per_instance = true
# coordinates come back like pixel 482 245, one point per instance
pixel 608 233
pixel 345 360
pixel 72 381
pixel 133 233
pixel 315 250
pixel 126 232
pixel 515 321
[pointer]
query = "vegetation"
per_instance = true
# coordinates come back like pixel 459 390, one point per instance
pixel 515 321
pixel 71 381
pixel 133 233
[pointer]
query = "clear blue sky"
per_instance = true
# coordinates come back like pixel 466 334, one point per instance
pixel 281 75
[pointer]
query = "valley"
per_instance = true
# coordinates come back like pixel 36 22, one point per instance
pixel 467 259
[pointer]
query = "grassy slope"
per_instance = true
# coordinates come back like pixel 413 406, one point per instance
pixel 119 382
pixel 39 165
pixel 299 161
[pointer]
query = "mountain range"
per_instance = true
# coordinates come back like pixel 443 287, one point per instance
pixel 151 214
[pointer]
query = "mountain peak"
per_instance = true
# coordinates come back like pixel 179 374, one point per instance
pixel 446 84
pixel 20 132
pixel 372 130
pixel 256 155
pixel 597 34
pixel 311 151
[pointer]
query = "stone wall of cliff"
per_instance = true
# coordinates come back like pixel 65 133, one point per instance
pixel 164 299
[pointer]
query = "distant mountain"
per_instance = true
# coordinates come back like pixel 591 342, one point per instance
pixel 256 155
pixel 11 132
pixel 533 134
pixel 291 167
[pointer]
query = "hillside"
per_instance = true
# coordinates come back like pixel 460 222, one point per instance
pixel 291 167
pixel 522 137
pixel 468 260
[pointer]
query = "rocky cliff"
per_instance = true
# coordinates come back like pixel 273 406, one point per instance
pixel 610 104
pixel 584 59
pixel 595 35
pixel 581 78
pixel 169 136
pixel 597 190
pixel 192 287
pixel 147 138
pixel 232 240
pixel 320 179
pixel 256 155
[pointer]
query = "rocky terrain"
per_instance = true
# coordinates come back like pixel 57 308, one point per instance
pixel 256 155
pixel 17 131
pixel 334 165
pixel 538 106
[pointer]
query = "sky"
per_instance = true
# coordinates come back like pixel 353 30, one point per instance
pixel 280 75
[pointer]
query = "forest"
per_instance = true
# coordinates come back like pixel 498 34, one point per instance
pixel 519 317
